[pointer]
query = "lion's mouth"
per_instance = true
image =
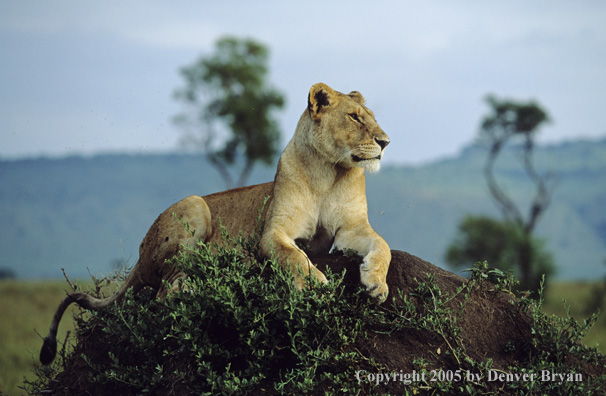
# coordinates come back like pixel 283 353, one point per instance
pixel 355 158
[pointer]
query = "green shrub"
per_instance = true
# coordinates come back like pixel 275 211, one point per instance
pixel 238 324
pixel 239 327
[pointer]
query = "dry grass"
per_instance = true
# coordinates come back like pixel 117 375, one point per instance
pixel 26 307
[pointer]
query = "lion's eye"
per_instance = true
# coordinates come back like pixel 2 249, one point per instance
pixel 354 117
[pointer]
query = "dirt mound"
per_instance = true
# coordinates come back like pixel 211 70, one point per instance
pixel 490 326
pixel 484 335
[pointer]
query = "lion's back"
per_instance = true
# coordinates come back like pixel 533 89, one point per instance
pixel 238 209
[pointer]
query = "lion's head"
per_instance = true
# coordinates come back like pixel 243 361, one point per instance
pixel 344 130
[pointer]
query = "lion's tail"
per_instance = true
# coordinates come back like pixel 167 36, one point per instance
pixel 86 301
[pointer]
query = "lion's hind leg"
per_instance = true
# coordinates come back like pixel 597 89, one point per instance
pixel 173 284
pixel 182 224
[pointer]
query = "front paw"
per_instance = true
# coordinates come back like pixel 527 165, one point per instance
pixel 376 287
pixel 302 280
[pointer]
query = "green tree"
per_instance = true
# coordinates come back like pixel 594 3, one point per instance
pixel 509 243
pixel 502 244
pixel 229 108
pixel 7 273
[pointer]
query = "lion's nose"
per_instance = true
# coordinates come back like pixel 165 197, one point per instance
pixel 381 142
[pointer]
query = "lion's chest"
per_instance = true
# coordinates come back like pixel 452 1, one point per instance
pixel 321 224
pixel 319 243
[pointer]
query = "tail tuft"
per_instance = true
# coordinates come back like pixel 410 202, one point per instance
pixel 48 351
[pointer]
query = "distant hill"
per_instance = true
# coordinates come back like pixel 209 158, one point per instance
pixel 418 209
pixel 82 213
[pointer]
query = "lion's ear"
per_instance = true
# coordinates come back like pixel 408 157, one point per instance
pixel 320 98
pixel 357 96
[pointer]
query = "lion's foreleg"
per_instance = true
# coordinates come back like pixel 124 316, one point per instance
pixel 376 254
pixel 291 257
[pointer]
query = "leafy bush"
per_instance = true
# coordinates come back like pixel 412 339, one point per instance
pixel 506 248
pixel 238 324
pixel 552 348
pixel 239 327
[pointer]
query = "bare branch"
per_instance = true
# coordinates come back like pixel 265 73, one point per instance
pixel 245 172
pixel 222 168
pixel 508 208
pixel 542 199
pixel 68 281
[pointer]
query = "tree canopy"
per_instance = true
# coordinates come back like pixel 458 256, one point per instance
pixel 230 107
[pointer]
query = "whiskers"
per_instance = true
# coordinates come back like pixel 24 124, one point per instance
pixel 343 157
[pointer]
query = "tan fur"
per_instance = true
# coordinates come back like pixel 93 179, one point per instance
pixel 318 199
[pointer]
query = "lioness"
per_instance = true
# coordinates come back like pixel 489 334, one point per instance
pixel 318 198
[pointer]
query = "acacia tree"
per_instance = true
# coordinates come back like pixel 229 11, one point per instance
pixel 510 120
pixel 229 108
pixel 509 243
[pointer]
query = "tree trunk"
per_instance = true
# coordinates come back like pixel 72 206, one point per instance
pixel 525 264
pixel 222 168
pixel 245 172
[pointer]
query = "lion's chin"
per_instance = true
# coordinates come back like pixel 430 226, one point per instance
pixel 370 165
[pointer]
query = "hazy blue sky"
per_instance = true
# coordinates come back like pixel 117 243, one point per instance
pixel 83 76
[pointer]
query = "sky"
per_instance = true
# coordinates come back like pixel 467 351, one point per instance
pixel 83 77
